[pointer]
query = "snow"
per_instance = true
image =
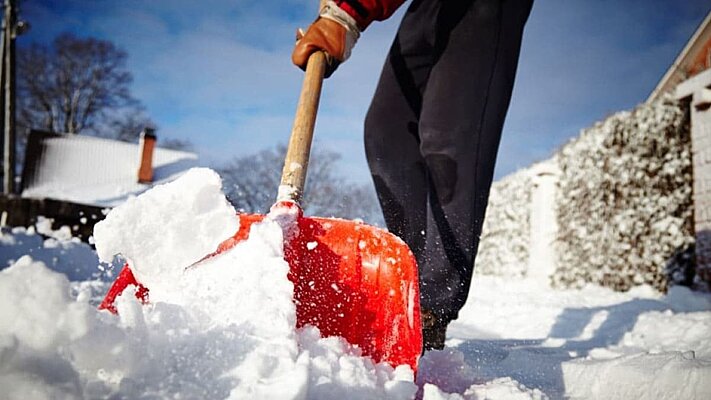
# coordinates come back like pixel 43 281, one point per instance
pixel 558 340
pixel 226 328
pixel 644 375
pixel 150 230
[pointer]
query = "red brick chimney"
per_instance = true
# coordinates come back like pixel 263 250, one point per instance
pixel 147 144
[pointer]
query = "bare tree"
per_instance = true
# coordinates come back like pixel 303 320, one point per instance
pixel 78 85
pixel 125 124
pixel 251 184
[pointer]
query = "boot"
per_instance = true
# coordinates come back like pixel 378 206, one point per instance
pixel 434 331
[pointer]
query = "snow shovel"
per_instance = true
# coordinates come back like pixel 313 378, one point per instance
pixel 350 279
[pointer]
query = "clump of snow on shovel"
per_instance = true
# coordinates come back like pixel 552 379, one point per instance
pixel 168 228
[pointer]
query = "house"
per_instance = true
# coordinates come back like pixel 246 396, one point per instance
pixel 694 59
pixel 524 219
pixel 689 80
pixel 74 179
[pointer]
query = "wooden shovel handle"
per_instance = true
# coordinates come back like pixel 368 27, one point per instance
pixel 293 176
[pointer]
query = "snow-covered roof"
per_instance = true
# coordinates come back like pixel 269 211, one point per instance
pixel 94 171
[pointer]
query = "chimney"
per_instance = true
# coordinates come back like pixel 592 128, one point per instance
pixel 147 144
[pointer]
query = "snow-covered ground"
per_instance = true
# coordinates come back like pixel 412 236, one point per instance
pixel 226 329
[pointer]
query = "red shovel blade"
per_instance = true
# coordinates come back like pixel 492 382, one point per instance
pixel 350 280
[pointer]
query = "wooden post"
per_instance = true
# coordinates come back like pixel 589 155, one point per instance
pixel 8 91
pixel 12 28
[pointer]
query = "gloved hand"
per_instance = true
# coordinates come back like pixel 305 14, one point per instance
pixel 335 32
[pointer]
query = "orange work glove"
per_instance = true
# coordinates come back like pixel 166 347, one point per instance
pixel 334 32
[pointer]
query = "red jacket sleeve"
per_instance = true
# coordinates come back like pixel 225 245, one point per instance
pixel 367 11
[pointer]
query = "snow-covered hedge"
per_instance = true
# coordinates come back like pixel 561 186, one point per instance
pixel 624 204
pixel 504 244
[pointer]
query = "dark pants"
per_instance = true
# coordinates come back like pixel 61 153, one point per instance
pixel 432 133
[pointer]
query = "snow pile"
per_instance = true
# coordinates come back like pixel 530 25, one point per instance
pixel 225 329
pixel 588 343
pixel 504 243
pixel 650 360
pixel 644 375
pixel 624 202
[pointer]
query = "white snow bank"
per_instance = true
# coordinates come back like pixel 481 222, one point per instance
pixel 587 343
pixel 669 375
pixel 225 329
pixel 682 332
pixel 39 328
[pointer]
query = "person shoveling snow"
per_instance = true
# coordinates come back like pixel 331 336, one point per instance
pixel 432 182
pixel 433 127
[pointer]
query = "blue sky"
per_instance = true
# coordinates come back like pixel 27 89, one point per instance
pixel 218 72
